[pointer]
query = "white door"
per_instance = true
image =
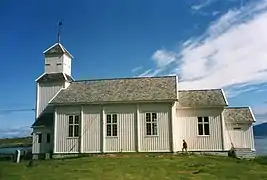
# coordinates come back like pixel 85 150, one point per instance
pixel 238 137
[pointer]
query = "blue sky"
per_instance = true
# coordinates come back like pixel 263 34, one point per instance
pixel 207 43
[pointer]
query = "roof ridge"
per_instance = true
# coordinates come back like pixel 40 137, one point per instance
pixel 62 48
pixel 123 78
pixel 200 89
pixel 237 107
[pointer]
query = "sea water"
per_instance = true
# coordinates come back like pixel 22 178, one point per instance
pixel 261 146
pixel 13 150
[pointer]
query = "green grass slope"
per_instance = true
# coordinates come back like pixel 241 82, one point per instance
pixel 137 167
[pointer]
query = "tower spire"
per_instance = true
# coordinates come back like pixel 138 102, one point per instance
pixel 59 28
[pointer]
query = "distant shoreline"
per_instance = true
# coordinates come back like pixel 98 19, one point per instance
pixel 16 142
pixel 260 137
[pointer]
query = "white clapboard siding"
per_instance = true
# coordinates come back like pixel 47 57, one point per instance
pixel 44 146
pixel 161 142
pixel 60 63
pixel 91 129
pixel 63 143
pixel 125 141
pixel 175 130
pixel 46 92
pixel 188 123
pixel 241 138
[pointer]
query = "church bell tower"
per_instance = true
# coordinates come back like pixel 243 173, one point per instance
pixel 56 76
pixel 57 60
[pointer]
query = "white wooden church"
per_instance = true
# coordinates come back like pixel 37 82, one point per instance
pixel 144 114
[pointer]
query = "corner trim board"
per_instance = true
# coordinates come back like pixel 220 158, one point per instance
pixel 137 128
pixel 81 130
pixel 55 132
pixel 103 129
pixel 224 96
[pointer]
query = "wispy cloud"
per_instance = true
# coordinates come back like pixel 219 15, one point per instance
pixel 203 4
pixel 230 54
pixel 138 68
pixel 146 73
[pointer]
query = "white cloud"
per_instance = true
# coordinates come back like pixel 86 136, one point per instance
pixel 231 53
pixel 15 132
pixel 138 68
pixel 163 58
pixel 202 5
pixel 146 73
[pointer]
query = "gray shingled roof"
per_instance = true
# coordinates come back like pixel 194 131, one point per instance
pixel 54 77
pixel 209 97
pixel 119 90
pixel 44 120
pixel 57 49
pixel 238 114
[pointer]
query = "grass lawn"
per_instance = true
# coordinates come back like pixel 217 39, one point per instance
pixel 137 167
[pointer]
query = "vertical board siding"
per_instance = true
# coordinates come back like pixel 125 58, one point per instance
pixel 64 144
pixel 161 142
pixel 125 141
pixel 66 64
pixel 91 131
pixel 53 67
pixel 46 92
pixel 175 129
pixel 43 147
pixel 189 129
pixel 241 138
pixel 226 139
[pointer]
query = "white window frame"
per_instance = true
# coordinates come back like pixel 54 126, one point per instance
pixel 113 124
pixel 152 124
pixel 202 123
pixel 73 125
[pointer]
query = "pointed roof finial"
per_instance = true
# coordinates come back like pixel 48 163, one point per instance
pixel 59 28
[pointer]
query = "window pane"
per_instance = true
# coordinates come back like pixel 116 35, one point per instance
pixel 108 130
pixel 114 129
pixel 70 119
pixel 114 118
pixel 76 119
pixel 154 117
pixel 148 129
pixel 200 129
pixel 155 129
pixel 148 117
pixel 48 138
pixel 206 119
pixel 40 138
pixel 199 119
pixel 108 118
pixel 206 129
pixel 71 131
pixel 76 130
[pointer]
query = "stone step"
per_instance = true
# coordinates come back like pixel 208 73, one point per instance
pixel 245 153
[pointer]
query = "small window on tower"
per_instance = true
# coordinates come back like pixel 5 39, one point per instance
pixel 58 64
pixel 47 64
